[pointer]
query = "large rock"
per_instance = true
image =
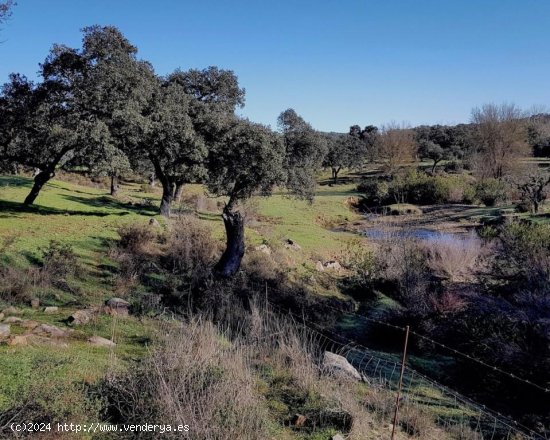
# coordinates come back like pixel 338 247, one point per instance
pixel 13 320
pixel 98 341
pixel 291 244
pixel 337 437
pixel 319 267
pixel 263 248
pixel 50 331
pixel 29 324
pixel 11 311
pixel 4 331
pixel 80 317
pixel 18 340
pixel 35 303
pixel 51 309
pixel 339 366
pixel 154 222
pixel 116 306
pixel 333 265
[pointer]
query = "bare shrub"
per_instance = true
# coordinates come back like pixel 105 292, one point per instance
pixel 17 285
pixel 454 258
pixel 59 259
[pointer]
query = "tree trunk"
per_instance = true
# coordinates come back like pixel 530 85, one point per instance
pixel 167 194
pixel 178 189
pixel 335 172
pixel 114 185
pixel 230 260
pixel 39 181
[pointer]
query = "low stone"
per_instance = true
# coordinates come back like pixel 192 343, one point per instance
pixel 154 222
pixel 299 420
pixel 51 309
pixel 263 248
pixel 28 324
pixel 116 306
pixel 337 437
pixel 18 340
pixel 98 341
pixel 11 311
pixel 4 331
pixel 334 265
pixel 13 320
pixel 339 367
pixel 80 317
pixel 319 267
pixel 49 330
pixel 35 303
pixel 291 244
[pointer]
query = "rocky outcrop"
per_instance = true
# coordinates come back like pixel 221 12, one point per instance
pixel 116 306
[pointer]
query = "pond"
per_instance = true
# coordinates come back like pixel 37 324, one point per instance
pixel 428 235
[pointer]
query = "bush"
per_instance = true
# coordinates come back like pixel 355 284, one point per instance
pixel 491 192
pixel 59 259
pixel 376 192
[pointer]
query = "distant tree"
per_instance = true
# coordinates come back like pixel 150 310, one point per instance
pixel 500 133
pixel 371 137
pixel 339 154
pixel 305 150
pixel 248 159
pixel 113 163
pixel 430 150
pixel 6 8
pixel 532 187
pixel 538 135
pixel 397 146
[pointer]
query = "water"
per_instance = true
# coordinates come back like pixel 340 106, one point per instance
pixel 419 234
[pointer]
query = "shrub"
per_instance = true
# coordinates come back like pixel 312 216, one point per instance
pixel 59 259
pixel 136 238
pixel 376 192
pixel 491 191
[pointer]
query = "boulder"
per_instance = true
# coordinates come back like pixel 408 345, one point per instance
pixel 35 303
pixel 154 222
pixel 11 311
pixel 51 309
pixel 18 340
pixel 4 331
pixel 263 248
pixel 319 267
pixel 28 324
pixel 80 317
pixel 291 244
pixel 339 367
pixel 98 341
pixel 50 331
pixel 13 320
pixel 333 265
pixel 116 306
pixel 299 420
pixel 337 437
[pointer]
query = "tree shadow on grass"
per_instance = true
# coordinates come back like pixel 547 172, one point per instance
pixel 107 202
pixel 25 182
pixel 9 209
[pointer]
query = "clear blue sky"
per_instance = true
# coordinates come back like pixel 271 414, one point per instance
pixel 336 62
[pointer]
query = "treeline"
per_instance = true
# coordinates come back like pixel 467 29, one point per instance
pixel 102 108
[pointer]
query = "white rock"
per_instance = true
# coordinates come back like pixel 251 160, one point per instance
pixel 4 331
pixel 98 341
pixel 51 309
pixel 339 367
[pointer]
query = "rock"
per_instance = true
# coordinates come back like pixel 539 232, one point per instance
pixel 18 340
pixel 263 248
pixel 11 311
pixel 337 437
pixel 49 330
pixel 28 324
pixel 116 306
pixel 154 222
pixel 291 244
pixel 80 317
pixel 35 303
pixel 98 341
pixel 4 331
pixel 51 309
pixel 319 267
pixel 334 265
pixel 339 367
pixel 13 320
pixel 299 420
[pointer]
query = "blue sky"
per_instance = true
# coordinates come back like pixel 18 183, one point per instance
pixel 337 63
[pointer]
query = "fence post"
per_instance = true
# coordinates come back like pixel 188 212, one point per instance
pixel 400 384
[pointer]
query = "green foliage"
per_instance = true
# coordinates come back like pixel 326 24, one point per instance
pixel 375 192
pixel 491 191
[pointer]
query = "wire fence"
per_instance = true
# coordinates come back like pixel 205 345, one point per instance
pixel 456 414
